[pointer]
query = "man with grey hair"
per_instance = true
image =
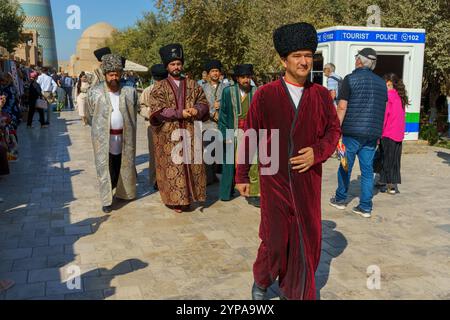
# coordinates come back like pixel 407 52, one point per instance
pixel 333 80
pixel 361 110
pixel 112 114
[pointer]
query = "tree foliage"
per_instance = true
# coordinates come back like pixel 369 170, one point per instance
pixel 11 24
pixel 240 31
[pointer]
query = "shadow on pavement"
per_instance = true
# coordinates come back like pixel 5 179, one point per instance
pixel 37 228
pixel 444 156
pixel 334 244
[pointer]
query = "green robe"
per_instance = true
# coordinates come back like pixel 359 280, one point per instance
pixel 231 111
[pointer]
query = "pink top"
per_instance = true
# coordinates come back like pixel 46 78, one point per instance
pixel 395 118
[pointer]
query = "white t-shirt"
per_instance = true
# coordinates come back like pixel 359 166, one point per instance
pixel 296 92
pixel 115 141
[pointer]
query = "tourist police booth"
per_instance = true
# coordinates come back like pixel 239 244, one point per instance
pixel 399 50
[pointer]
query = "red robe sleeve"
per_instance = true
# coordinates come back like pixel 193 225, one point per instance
pixel 332 132
pixel 246 151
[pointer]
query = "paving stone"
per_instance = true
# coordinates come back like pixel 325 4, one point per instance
pixel 62 240
pixel 43 275
pixel 26 291
pixel 89 295
pixel 48 251
pixel 30 264
pixel 32 242
pixel 16 253
pixel 61 288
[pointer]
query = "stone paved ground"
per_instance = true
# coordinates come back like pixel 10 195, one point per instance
pixel 51 221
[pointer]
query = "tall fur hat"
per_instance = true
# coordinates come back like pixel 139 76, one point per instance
pixel 213 64
pixel 112 63
pixel 99 53
pixel 293 37
pixel 159 72
pixel 243 70
pixel 171 53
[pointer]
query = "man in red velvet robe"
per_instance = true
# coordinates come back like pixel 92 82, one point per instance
pixel 309 130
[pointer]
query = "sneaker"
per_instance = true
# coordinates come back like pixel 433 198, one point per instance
pixel 391 189
pixel 337 204
pixel 361 212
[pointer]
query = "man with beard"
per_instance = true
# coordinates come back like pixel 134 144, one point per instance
pixel 303 115
pixel 234 107
pixel 175 103
pixel 98 73
pixel 112 114
pixel 159 73
pixel 213 89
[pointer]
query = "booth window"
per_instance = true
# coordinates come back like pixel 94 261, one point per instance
pixel 390 63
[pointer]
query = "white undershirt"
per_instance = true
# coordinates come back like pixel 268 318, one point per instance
pixel 177 82
pixel 243 93
pixel 296 93
pixel 115 141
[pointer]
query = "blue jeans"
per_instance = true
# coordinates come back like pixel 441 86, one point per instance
pixel 365 150
pixel 69 98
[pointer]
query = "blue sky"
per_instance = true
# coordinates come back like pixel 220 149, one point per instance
pixel 118 13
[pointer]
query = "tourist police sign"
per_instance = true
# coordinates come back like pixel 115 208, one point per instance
pixel 371 36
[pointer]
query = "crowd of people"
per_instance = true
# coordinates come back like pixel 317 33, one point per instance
pixel 365 111
pixel 25 91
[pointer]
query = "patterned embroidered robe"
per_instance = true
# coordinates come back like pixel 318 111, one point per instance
pixel 179 184
pixel 98 114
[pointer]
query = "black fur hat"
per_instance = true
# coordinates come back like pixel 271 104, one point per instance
pixel 99 53
pixel 171 53
pixel 213 64
pixel 243 70
pixel 159 72
pixel 294 37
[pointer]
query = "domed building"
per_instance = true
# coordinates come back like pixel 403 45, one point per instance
pixel 92 38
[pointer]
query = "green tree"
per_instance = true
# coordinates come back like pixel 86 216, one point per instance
pixel 11 24
pixel 141 42
pixel 209 29
pixel 240 31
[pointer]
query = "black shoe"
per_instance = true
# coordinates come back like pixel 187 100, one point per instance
pixel 107 209
pixel 258 293
pixel 155 186
pixel 254 201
